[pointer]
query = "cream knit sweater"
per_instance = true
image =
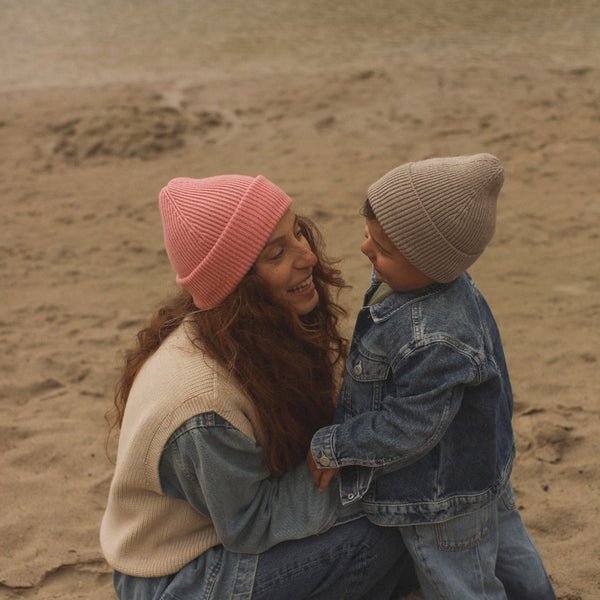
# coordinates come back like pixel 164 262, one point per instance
pixel 145 532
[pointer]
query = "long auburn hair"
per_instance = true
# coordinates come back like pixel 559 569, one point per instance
pixel 289 366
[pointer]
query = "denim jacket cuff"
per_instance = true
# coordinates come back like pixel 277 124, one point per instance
pixel 354 483
pixel 354 480
pixel 322 447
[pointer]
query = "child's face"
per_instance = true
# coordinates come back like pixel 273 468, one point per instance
pixel 390 265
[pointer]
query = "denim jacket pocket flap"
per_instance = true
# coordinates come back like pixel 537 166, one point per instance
pixel 363 369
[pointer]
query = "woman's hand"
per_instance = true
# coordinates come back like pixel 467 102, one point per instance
pixel 321 477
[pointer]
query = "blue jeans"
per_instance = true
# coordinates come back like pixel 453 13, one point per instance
pixel 484 555
pixel 355 560
pixel 350 561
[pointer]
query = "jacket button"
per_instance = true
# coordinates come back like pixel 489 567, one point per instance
pixel 358 368
pixel 324 461
pixel 350 496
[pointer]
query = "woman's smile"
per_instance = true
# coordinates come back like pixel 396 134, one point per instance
pixel 303 286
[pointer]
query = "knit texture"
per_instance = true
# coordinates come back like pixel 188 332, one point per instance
pixel 441 212
pixel 215 228
pixel 144 532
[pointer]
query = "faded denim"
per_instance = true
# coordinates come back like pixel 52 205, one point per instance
pixel 487 555
pixel 424 437
pixel 354 561
pixel 425 409
pixel 222 473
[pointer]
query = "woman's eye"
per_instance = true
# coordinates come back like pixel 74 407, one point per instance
pixel 299 234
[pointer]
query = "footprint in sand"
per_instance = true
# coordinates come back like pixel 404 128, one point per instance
pixel 551 441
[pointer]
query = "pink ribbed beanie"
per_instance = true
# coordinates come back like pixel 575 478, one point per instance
pixel 215 228
pixel 440 213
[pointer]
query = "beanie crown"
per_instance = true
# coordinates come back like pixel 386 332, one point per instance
pixel 441 212
pixel 215 228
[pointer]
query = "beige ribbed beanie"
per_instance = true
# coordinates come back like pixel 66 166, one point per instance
pixel 440 213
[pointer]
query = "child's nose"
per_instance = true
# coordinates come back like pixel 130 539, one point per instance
pixel 365 248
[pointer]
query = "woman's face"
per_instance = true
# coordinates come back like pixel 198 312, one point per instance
pixel 285 265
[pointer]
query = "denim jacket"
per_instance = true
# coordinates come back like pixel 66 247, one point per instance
pixel 218 470
pixel 423 425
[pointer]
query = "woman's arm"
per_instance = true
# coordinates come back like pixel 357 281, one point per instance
pixel 222 474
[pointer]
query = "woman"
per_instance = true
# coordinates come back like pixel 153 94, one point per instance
pixel 216 408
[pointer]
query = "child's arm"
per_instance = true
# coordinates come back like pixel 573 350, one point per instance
pixel 409 421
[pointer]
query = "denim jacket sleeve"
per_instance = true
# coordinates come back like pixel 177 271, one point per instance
pixel 422 398
pixel 222 473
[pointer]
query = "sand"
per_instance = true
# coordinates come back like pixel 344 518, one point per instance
pixel 103 103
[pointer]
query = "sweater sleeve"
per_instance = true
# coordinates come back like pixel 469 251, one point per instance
pixel 222 474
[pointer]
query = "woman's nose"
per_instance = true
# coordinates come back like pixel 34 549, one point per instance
pixel 306 257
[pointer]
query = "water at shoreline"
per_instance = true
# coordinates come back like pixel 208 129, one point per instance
pixel 62 42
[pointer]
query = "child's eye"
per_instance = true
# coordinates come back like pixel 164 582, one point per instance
pixel 381 249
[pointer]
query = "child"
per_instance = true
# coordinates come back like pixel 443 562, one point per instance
pixel 423 423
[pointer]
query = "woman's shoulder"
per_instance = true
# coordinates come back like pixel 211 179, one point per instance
pixel 180 381
pixel 178 363
pixel 185 380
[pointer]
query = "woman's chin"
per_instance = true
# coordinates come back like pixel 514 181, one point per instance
pixel 305 302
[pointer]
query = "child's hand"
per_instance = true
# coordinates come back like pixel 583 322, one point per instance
pixel 321 477
pixel 312 465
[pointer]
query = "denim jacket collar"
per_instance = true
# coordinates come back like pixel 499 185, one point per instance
pixel 396 301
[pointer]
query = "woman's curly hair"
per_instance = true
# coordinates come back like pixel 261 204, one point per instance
pixel 290 366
